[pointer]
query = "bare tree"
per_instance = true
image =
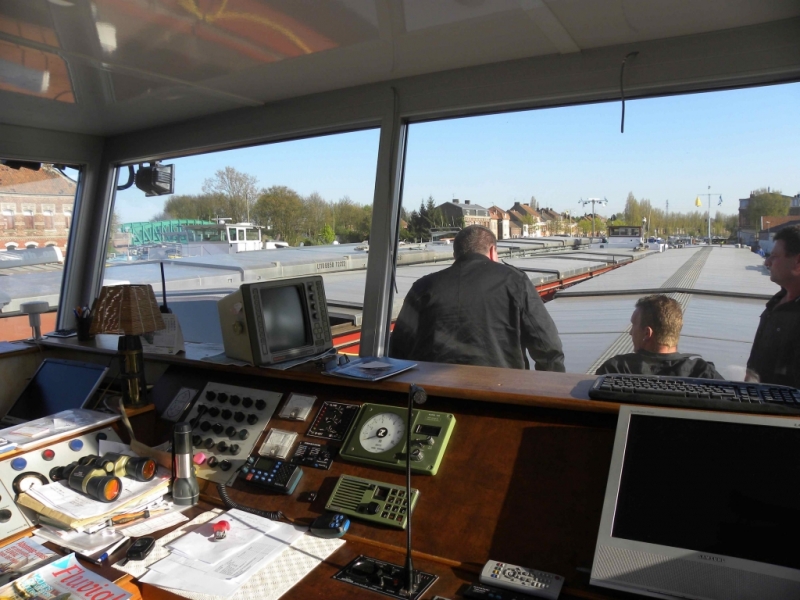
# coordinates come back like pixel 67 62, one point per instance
pixel 239 191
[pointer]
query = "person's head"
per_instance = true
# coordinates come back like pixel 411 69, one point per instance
pixel 656 324
pixel 784 260
pixel 475 238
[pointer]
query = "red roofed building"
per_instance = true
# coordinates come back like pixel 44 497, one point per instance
pixel 35 208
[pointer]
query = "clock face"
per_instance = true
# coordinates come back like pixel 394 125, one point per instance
pixel 25 481
pixel 382 432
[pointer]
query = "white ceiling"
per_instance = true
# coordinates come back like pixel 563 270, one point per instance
pixel 112 66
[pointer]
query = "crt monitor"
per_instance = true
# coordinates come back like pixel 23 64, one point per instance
pixel 57 385
pixel 270 322
pixel 701 505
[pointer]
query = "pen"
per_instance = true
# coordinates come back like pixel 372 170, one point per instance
pixel 113 549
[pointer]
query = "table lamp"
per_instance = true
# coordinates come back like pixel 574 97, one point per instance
pixel 128 311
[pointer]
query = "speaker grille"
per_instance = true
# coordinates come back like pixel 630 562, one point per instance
pixel 695 579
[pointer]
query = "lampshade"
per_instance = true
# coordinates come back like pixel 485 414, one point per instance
pixel 126 310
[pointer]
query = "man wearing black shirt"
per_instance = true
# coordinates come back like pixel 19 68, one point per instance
pixel 656 325
pixel 477 311
pixel 775 355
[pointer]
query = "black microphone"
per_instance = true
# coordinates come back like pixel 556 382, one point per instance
pixel 416 395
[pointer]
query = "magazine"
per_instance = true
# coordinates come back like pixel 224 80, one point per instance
pixel 371 368
pixel 22 555
pixel 63 579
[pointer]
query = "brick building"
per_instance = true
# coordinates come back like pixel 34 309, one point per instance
pixel 501 222
pixel 35 208
pixel 472 214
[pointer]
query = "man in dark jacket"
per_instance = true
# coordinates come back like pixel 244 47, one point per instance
pixel 656 325
pixel 478 311
pixel 775 355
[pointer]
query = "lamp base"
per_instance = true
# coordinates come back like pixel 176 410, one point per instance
pixel 131 371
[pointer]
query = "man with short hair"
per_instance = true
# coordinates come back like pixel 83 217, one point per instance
pixel 775 355
pixel 656 325
pixel 477 311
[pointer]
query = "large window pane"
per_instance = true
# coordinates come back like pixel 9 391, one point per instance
pixel 252 214
pixel 36 207
pixel 530 176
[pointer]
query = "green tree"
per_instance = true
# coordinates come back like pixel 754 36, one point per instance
pixel 237 192
pixel 280 210
pixel 327 235
pixel 317 214
pixel 766 203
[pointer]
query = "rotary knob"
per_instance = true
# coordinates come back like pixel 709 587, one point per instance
pixel 247 402
pixel 222 398
pixel 261 404
pixel 201 409
pixel 252 419
pixel 211 395
pixel 213 412
pixel 225 465
pixel 218 428
pixel 227 414
pixel 235 400
pixel 231 431
pixel 197 441
pixel 234 449
pixel 222 446
pixel 243 434
pixel 205 426
pixel 209 443
pixel 212 461
pixel 238 417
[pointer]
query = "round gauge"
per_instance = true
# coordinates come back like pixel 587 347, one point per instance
pixel 382 432
pixel 26 481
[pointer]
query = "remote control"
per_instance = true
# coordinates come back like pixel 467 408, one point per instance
pixel 520 579
pixel 330 526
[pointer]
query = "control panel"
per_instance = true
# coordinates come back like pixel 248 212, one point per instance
pixel 23 471
pixel 374 501
pixel 378 438
pixel 227 421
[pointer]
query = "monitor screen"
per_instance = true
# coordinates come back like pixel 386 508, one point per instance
pixel 702 505
pixel 57 385
pixel 724 488
pixel 283 310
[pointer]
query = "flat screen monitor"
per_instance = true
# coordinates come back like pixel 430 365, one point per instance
pixel 271 322
pixel 701 505
pixel 57 385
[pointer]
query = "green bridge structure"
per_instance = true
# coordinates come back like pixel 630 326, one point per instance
pixel 158 232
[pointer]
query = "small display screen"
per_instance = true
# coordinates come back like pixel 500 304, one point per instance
pixel 729 489
pixel 284 313
pixel 428 430
pixel 58 385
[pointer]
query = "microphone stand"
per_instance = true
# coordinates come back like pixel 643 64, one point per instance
pixel 416 395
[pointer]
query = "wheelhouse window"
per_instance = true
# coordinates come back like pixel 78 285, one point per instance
pixel 33 242
pixel 684 165
pixel 273 211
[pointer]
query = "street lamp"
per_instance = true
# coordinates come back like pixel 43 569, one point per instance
pixel 592 201
pixel 644 229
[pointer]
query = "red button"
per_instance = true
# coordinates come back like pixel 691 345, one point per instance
pixel 48 454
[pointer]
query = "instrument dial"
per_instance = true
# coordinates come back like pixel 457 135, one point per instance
pixel 28 480
pixel 382 432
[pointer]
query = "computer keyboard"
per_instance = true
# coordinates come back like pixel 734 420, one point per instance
pixel 692 392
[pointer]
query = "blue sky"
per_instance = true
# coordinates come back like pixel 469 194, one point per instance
pixel 673 148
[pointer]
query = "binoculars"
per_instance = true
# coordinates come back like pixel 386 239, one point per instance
pixel 99 476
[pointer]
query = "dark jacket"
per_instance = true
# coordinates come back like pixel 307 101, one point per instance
pixel 477 312
pixel 652 363
pixel 775 355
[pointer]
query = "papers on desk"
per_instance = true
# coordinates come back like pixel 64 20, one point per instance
pixel 75 510
pixel 199 563
pixel 269 583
